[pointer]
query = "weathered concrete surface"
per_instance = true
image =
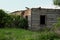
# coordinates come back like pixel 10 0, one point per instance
pixel 50 19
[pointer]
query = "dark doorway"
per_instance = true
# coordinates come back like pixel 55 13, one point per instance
pixel 42 19
pixel 26 17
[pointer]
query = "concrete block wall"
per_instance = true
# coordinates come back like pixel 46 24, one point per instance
pixel 51 17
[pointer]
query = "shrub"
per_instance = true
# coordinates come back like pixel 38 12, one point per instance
pixel 3 18
pixel 9 21
pixel 20 22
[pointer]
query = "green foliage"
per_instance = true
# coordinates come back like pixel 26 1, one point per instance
pixel 21 34
pixel 21 22
pixel 57 25
pixel 9 21
pixel 56 2
pixel 3 16
pixel 5 19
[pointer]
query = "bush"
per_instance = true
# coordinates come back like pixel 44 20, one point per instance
pixel 9 21
pixel 21 22
pixel 3 18
pixel 56 27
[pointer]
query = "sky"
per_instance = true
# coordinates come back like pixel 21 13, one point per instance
pixel 13 5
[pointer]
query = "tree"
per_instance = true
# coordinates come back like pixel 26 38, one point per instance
pixel 9 21
pixel 56 2
pixel 3 15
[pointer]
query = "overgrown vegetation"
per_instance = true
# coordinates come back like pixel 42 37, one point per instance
pixel 9 21
pixel 11 29
pixel 21 34
pixel 56 2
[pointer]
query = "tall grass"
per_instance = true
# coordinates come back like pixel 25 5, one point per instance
pixel 21 34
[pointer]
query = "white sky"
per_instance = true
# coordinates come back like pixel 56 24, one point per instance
pixel 12 5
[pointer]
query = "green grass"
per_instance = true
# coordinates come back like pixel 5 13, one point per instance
pixel 21 34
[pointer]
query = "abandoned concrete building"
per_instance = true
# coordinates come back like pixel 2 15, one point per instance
pixel 42 17
pixel 39 17
pixel 24 13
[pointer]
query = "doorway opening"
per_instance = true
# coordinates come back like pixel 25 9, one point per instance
pixel 42 19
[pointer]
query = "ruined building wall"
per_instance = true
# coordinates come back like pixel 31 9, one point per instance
pixel 50 17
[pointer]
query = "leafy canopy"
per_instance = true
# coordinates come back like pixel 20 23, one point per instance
pixel 56 2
